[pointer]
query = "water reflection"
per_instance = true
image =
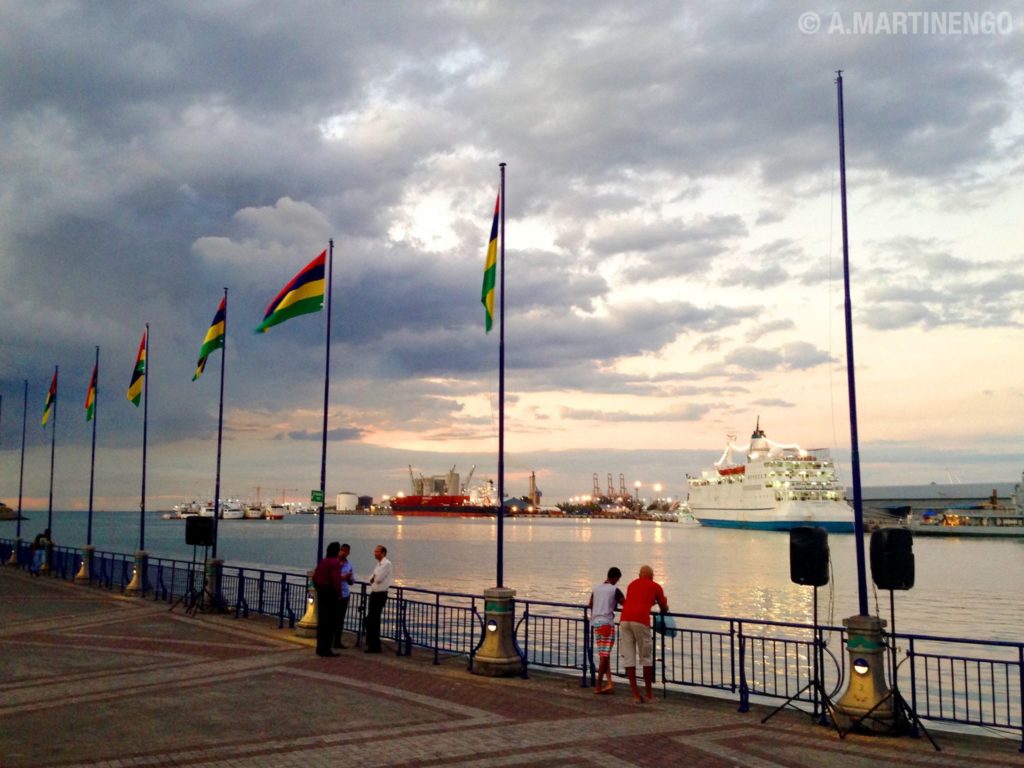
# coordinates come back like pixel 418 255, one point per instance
pixel 967 588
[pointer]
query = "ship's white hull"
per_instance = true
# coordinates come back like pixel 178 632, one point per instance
pixel 833 516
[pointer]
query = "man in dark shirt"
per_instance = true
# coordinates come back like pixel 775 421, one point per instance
pixel 327 581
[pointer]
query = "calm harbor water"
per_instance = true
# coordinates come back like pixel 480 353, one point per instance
pixel 964 587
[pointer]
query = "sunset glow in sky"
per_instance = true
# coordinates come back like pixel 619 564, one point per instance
pixel 673 262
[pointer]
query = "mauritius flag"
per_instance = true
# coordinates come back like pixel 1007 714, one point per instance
pixel 90 396
pixel 491 270
pixel 51 398
pixel 303 295
pixel 214 337
pixel 138 374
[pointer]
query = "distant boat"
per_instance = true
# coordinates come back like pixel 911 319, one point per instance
pixel 191 509
pixel 274 512
pixel 231 509
pixel 445 496
pixel 991 519
pixel 777 488
pixel 440 505
pixel 7 513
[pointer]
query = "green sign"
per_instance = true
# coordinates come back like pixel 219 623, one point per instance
pixel 317 496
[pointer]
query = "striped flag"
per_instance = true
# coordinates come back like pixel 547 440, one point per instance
pixel 138 374
pixel 90 396
pixel 51 398
pixel 214 337
pixel 303 295
pixel 491 270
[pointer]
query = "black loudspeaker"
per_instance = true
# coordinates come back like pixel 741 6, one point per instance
pixel 199 531
pixel 892 558
pixel 808 556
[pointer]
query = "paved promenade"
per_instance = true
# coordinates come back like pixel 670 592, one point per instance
pixel 89 678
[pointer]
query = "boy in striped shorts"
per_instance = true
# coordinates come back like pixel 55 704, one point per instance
pixel 604 599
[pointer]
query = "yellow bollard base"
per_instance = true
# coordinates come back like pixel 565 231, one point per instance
pixel 306 626
pixel 82 577
pixel 497 656
pixel 135 586
pixel 867 705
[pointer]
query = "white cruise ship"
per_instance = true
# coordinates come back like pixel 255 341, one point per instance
pixel 778 488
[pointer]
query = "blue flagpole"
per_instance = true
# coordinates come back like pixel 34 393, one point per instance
pixel 858 507
pixel 21 472
pixel 145 435
pixel 92 461
pixel 220 425
pixel 327 390
pixel 53 448
pixel 501 395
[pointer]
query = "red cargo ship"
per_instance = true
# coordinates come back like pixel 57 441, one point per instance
pixel 440 505
pixel 445 496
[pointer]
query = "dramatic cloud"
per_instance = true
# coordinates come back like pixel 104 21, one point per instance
pixel 671 229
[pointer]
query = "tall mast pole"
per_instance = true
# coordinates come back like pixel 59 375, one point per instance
pixel 53 450
pixel 327 390
pixel 92 462
pixel 501 393
pixel 145 435
pixel 21 472
pixel 858 508
pixel 220 425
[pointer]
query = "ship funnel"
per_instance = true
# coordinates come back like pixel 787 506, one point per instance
pixel 759 447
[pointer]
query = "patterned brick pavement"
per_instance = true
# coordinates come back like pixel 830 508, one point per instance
pixel 88 678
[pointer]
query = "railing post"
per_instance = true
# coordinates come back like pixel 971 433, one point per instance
pixel 400 632
pixel 241 591
pixel 916 732
pixel 284 598
pixel 437 626
pixel 361 628
pixel 1020 675
pixel 159 582
pixel 744 689
pixel 526 645
pixel 664 690
pixel 588 650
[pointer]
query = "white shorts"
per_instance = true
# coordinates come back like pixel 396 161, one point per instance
pixel 634 642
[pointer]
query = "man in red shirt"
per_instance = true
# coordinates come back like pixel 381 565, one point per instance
pixel 635 629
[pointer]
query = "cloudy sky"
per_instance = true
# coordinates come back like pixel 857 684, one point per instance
pixel 674 258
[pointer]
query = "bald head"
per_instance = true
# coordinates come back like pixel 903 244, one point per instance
pixel 646 572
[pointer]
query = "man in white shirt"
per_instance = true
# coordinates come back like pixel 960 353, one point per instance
pixel 380 583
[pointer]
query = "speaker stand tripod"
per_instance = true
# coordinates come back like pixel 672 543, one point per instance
pixel 826 711
pixel 194 599
pixel 903 714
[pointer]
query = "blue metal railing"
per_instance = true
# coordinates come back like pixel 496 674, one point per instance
pixel 945 679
